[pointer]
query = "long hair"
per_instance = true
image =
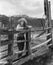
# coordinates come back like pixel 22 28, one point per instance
pixel 22 20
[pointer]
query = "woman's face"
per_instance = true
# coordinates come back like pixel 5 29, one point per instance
pixel 22 23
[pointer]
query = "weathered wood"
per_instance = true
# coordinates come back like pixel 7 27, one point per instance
pixel 17 52
pixel 3 54
pixel 49 22
pixel 48 34
pixel 20 41
pixel 43 50
pixel 22 51
pixel 41 29
pixel 3 60
pixel 41 44
pixel 30 57
pixel 13 31
pixel 23 60
pixel 3 48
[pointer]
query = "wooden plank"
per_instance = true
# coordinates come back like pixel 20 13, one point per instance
pixel 3 61
pixel 15 53
pixel 2 48
pixel 2 54
pixel 5 47
pixel 40 34
pixel 13 31
pixel 40 37
pixel 41 44
pixel 48 34
pixel 49 45
pixel 41 51
pixel 41 29
pixel 19 51
pixel 20 41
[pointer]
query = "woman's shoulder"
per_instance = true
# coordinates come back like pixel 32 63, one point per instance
pixel 18 27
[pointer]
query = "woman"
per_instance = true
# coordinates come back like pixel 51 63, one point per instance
pixel 21 26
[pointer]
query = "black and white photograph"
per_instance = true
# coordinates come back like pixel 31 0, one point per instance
pixel 26 32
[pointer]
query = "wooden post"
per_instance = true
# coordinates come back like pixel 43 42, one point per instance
pixel 10 44
pixel 10 48
pixel 47 9
pixel 28 37
pixel 0 33
pixel 29 40
pixel 49 22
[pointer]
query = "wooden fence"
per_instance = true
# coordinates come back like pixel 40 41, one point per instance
pixel 9 52
pixel 11 58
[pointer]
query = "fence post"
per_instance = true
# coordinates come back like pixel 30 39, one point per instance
pixel 28 38
pixel 49 23
pixel 10 48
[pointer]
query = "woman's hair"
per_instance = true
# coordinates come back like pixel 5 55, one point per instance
pixel 22 21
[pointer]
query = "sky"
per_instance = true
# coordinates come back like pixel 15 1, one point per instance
pixel 33 8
